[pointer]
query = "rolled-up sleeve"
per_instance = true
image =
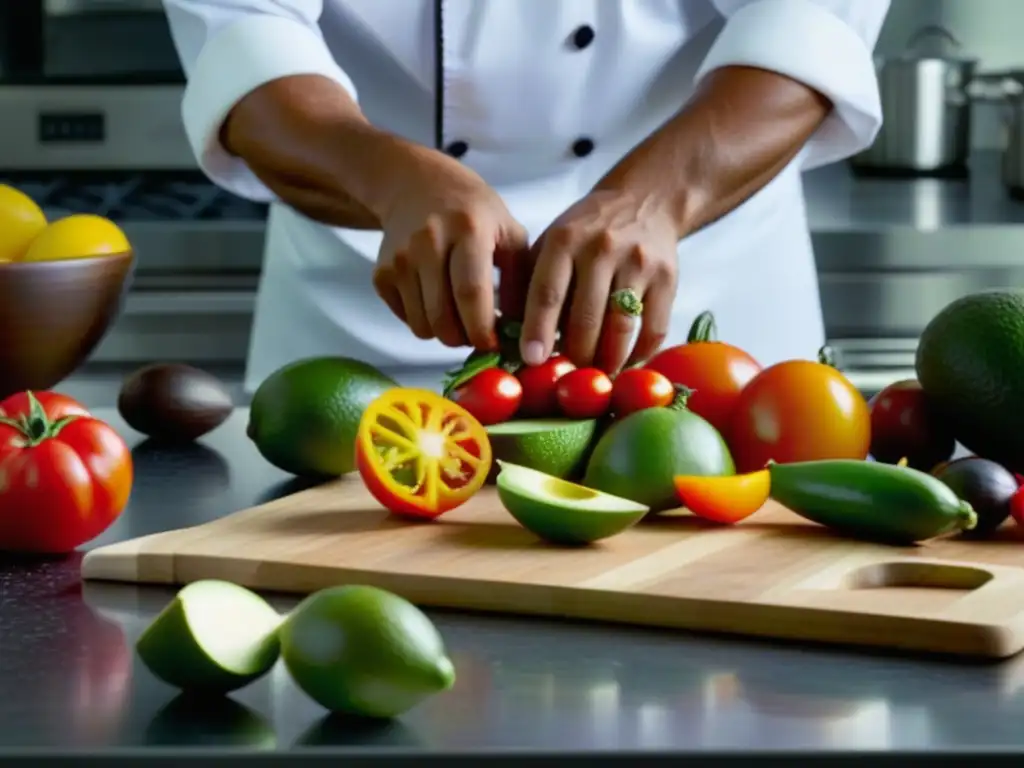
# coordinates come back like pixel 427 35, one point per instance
pixel 826 44
pixel 228 48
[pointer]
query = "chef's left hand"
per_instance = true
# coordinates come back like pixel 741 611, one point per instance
pixel 607 242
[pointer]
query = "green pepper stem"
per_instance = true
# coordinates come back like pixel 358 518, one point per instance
pixel 704 328
pixel 827 356
pixel 681 398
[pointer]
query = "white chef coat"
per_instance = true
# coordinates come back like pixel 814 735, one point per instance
pixel 527 87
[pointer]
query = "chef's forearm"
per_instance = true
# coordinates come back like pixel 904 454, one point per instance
pixel 741 128
pixel 307 140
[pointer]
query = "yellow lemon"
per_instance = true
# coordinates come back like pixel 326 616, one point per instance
pixel 78 236
pixel 21 221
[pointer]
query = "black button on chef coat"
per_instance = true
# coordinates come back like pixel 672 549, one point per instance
pixel 457 149
pixel 582 37
pixel 582 147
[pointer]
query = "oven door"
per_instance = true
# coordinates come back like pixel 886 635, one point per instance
pixel 192 319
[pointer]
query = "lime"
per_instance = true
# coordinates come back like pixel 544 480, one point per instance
pixel 304 417
pixel 364 651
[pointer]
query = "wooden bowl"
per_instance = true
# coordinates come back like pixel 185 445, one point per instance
pixel 54 313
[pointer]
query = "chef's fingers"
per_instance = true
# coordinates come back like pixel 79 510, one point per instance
pixel 407 281
pixel 389 294
pixel 549 286
pixel 619 327
pixel 471 276
pixel 661 295
pixel 582 329
pixel 514 261
pixel 429 253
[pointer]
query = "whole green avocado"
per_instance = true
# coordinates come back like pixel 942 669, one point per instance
pixel 970 363
pixel 638 456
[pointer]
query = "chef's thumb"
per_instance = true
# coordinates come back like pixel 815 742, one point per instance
pixel 514 261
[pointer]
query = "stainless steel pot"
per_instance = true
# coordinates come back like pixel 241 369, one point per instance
pixel 925 105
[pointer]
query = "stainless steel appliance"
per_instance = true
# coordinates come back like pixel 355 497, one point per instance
pixel 927 108
pixel 84 131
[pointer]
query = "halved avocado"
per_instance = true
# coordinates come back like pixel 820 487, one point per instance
pixel 214 636
pixel 557 447
pixel 562 512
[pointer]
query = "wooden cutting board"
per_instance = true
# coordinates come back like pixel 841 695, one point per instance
pixel 773 575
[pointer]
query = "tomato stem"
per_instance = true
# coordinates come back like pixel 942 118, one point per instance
pixel 35 426
pixel 682 396
pixel 704 328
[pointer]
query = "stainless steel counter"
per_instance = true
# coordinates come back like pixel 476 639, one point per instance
pixel 70 681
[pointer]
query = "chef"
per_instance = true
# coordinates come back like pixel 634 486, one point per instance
pixel 614 166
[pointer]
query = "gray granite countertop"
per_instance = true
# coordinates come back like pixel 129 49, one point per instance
pixel 69 679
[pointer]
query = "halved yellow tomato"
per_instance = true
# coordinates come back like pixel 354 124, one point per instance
pixel 724 499
pixel 421 454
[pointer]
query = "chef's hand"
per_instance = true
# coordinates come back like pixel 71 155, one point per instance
pixel 609 241
pixel 443 235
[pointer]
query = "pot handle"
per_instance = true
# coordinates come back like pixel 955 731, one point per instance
pixel 931 31
pixel 995 86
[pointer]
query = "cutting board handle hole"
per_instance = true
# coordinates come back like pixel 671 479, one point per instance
pixel 910 574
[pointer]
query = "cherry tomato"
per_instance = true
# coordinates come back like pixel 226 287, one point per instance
pixel 799 410
pixel 637 388
pixel 904 425
pixel 492 396
pixel 584 393
pixel 420 454
pixel 55 405
pixel 716 372
pixel 65 480
pixel 539 381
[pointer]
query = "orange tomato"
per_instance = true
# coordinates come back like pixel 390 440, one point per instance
pixel 421 454
pixel 716 372
pixel 799 410
pixel 726 498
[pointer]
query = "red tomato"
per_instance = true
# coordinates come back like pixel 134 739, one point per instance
pixel 903 425
pixel 55 405
pixel 539 381
pixel 716 372
pixel 635 389
pixel 64 482
pixel 584 393
pixel 799 410
pixel 492 396
pixel 1017 506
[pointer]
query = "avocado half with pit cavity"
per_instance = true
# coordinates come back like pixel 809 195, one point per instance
pixel 562 512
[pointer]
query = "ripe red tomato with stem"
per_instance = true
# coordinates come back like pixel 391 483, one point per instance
pixel 585 393
pixel 716 372
pixel 491 396
pixel 55 405
pixel 635 389
pixel 65 480
pixel 540 398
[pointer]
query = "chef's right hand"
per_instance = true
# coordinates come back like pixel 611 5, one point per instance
pixel 443 234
